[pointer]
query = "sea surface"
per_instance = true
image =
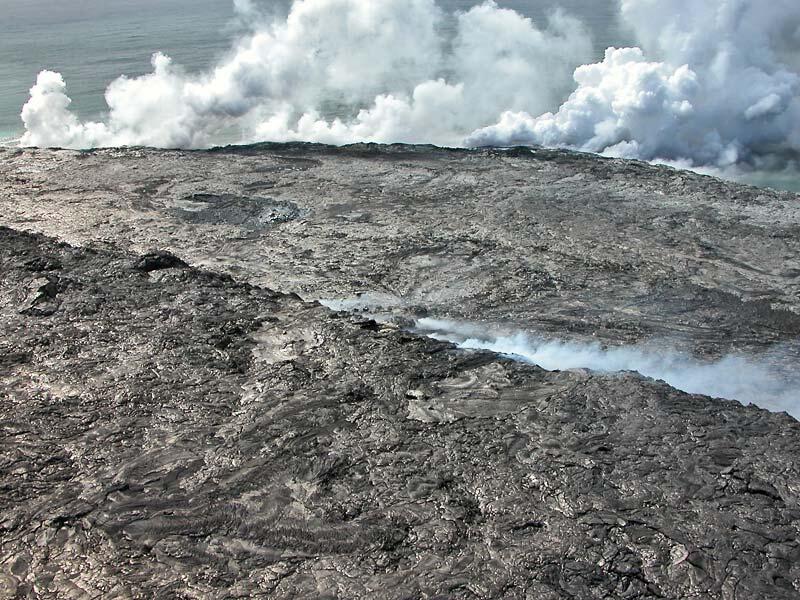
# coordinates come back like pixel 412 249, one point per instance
pixel 92 42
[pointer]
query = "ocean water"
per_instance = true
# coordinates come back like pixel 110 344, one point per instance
pixel 92 42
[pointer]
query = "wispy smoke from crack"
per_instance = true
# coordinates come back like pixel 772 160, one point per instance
pixel 711 83
pixel 736 377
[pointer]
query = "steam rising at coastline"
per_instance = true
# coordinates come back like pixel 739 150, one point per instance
pixel 733 377
pixel 709 84
pixel 385 62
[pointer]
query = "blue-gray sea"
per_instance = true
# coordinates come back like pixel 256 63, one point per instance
pixel 92 42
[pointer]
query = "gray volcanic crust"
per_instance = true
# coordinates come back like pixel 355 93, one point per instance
pixel 171 433
pixel 549 241
pixel 170 427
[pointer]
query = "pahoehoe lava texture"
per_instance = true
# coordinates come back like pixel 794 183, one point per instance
pixel 560 243
pixel 173 433
pixel 170 427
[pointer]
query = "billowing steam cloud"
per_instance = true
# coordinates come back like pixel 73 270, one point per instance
pixel 733 377
pixel 384 63
pixel 707 86
pixel 711 83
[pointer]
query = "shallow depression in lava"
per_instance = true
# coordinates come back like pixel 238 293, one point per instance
pixel 248 212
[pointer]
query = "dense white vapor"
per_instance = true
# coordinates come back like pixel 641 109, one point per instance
pixel 734 377
pixel 709 85
pixel 384 66
pixel 712 83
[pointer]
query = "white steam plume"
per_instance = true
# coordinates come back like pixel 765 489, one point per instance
pixel 710 84
pixel 384 64
pixel 733 377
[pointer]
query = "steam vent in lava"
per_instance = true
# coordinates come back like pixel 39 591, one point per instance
pixel 400 372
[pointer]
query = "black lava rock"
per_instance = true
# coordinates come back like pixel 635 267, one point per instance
pixel 157 261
